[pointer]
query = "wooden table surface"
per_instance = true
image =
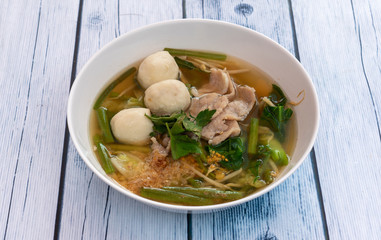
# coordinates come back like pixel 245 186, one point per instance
pixel 46 190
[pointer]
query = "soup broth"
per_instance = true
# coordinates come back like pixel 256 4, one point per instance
pixel 206 178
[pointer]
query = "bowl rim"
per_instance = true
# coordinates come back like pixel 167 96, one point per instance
pixel 181 208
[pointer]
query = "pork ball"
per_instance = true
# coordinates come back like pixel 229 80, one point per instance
pixel 167 97
pixel 157 67
pixel 131 126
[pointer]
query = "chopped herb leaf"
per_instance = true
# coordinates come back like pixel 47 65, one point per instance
pixel 191 126
pixel 232 149
pixel 159 122
pixel 182 145
pixel 204 117
pixel 195 125
pixel 277 96
pixel 177 127
pixel 162 120
pixel 254 168
pixel 276 119
pixel 179 122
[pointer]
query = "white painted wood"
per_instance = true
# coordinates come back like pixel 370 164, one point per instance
pixel 368 24
pixel 36 44
pixel 90 209
pixel 140 13
pixel 85 202
pixel 338 44
pixel 290 211
pixel 339 48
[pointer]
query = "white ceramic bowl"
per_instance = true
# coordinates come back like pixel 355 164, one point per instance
pixel 208 35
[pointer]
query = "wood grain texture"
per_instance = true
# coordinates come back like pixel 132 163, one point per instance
pixel 338 45
pixel 91 209
pixel 367 21
pixel 294 202
pixel 36 43
pixel 140 13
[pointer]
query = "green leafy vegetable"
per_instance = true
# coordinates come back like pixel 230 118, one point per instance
pixel 159 122
pixel 179 122
pixel 276 119
pixel 195 125
pixel 265 146
pixel 162 120
pixel 277 96
pixel 191 126
pixel 204 117
pixel 177 125
pixel 207 55
pixel 232 149
pixel 263 151
pixel 256 163
pixel 254 168
pixel 182 145
pixel 185 64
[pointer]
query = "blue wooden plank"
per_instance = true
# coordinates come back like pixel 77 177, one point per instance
pixel 90 208
pixel 36 45
pixel 338 44
pixel 295 202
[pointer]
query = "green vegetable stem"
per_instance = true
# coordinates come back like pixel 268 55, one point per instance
pixel 104 154
pixel 185 64
pixel 195 182
pixel 163 195
pixel 104 124
pixel 253 136
pixel 277 152
pixel 207 55
pixel 110 87
pixel 207 192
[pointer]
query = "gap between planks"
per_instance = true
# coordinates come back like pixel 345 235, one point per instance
pixel 26 114
pixel 189 215
pixel 67 134
pixel 312 153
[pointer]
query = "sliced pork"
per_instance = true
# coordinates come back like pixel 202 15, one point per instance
pixel 234 105
pixel 219 82
pixel 211 101
pixel 233 130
